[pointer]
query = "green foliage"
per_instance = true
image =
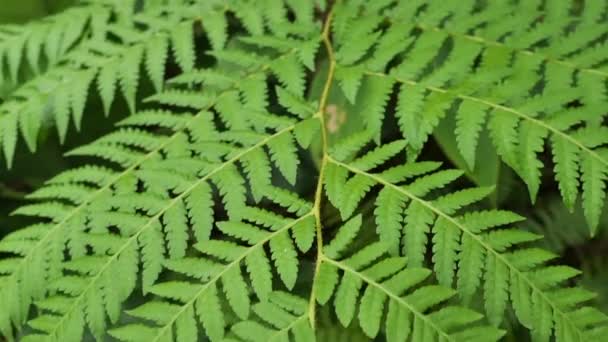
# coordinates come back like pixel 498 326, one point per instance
pixel 275 168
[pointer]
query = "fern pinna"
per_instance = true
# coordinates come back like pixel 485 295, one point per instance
pixel 197 222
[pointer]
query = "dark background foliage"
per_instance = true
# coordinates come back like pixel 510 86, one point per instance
pixel 17 11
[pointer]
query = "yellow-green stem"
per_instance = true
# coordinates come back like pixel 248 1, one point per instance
pixel 319 189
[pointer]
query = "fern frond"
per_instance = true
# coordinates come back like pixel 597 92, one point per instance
pixel 195 295
pixel 146 233
pixel 38 45
pixel 147 238
pixel 509 84
pixel 469 246
pixel 67 84
pixel 284 315
pixel 414 310
pixel 106 64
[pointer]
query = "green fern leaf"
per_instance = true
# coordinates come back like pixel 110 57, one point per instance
pixel 379 156
pixel 344 237
pixel 389 216
pixel 183 46
pixel 291 73
pixel 153 250
pixel 304 234
pixel 594 177
pixel 306 131
pixel 30 122
pixel 236 292
pixel 216 28
pixel 283 152
pixel 206 306
pixel 531 141
pixel 61 105
pixel 176 230
pixel 77 96
pixel 470 117
pixel 156 56
pixel 377 93
pixel 294 104
pixel 445 251
pixel 106 83
pixel 417 221
pixel 350 79
pixel 129 76
pixel 259 270
pixel 258 170
pixel 285 258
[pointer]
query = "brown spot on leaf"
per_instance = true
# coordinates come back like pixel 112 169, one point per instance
pixel 336 118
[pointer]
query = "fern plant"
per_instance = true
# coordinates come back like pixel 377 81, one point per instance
pixel 277 169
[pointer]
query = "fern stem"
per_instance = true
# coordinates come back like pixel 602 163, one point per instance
pixel 390 294
pixel 465 230
pixel 279 333
pixel 319 189
pixel 503 108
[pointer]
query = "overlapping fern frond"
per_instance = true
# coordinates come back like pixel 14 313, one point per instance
pixel 385 281
pixel 29 50
pixel 110 61
pixel 471 249
pixel 43 43
pixel 196 220
pixel 258 253
pixel 524 73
